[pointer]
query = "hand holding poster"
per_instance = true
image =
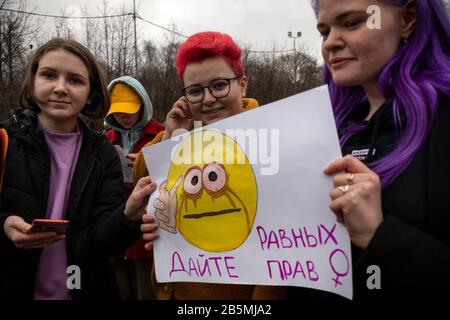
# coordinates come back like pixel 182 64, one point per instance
pixel 245 200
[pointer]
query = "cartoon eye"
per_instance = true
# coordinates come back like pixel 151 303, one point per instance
pixel 214 177
pixel 192 181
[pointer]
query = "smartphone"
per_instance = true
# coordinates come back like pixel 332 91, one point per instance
pixel 48 225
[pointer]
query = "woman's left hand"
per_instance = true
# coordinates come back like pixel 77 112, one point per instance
pixel 356 199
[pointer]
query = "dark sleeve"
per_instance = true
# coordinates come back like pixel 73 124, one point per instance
pixel 412 263
pixel 5 242
pixel 111 232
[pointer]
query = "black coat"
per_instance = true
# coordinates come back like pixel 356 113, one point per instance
pixel 98 228
pixel 412 245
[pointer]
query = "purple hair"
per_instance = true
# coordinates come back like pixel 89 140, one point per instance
pixel 413 78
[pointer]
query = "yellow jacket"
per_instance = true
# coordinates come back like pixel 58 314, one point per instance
pixel 206 291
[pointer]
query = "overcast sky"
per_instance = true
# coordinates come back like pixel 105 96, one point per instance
pixel 262 24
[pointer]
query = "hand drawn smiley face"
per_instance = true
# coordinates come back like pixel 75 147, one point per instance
pixel 217 196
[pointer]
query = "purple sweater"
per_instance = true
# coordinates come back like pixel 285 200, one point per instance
pixel 51 276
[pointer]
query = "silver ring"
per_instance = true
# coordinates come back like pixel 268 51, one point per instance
pixel 344 189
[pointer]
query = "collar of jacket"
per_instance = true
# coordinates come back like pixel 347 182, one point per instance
pixel 249 103
pixel 23 126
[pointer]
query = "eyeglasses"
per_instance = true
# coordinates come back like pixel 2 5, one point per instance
pixel 218 88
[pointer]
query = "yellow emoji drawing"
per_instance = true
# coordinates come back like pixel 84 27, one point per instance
pixel 210 194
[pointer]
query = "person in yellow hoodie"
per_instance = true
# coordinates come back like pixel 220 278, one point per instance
pixel 210 68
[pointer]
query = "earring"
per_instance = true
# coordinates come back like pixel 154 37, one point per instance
pixel 405 40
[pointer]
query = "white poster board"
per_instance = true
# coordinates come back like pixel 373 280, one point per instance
pixel 290 238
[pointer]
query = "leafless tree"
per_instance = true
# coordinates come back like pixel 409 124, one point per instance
pixel 122 42
pixel 277 74
pixel 160 76
pixel 17 35
pixel 272 75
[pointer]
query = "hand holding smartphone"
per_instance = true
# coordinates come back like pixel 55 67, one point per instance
pixel 49 225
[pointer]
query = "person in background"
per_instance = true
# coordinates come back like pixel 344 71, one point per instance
pixel 131 127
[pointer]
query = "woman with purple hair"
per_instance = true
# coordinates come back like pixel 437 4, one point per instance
pixel 387 64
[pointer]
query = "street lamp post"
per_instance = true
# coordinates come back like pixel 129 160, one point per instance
pixel 299 34
pixel 135 41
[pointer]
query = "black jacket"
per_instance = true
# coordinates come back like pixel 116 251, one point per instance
pixel 98 228
pixel 412 245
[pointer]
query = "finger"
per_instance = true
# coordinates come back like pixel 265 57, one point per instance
pixel 180 103
pixel 348 164
pixel 340 191
pixel 20 237
pixel 145 191
pixel 340 217
pixel 183 99
pixel 148 219
pixel 149 227
pixel 132 156
pixel 347 178
pixel 190 112
pixel 150 236
pixel 178 113
pixel 41 243
pixel 21 226
pixel 50 241
pixel 161 217
pixel 337 205
pixel 176 185
pixel 144 181
pixel 184 106
pixel 149 246
pixel 158 204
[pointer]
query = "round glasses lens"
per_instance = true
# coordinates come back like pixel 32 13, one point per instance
pixel 220 88
pixel 194 94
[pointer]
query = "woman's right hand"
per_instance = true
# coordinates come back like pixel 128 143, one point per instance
pixel 149 228
pixel 179 117
pixel 19 232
